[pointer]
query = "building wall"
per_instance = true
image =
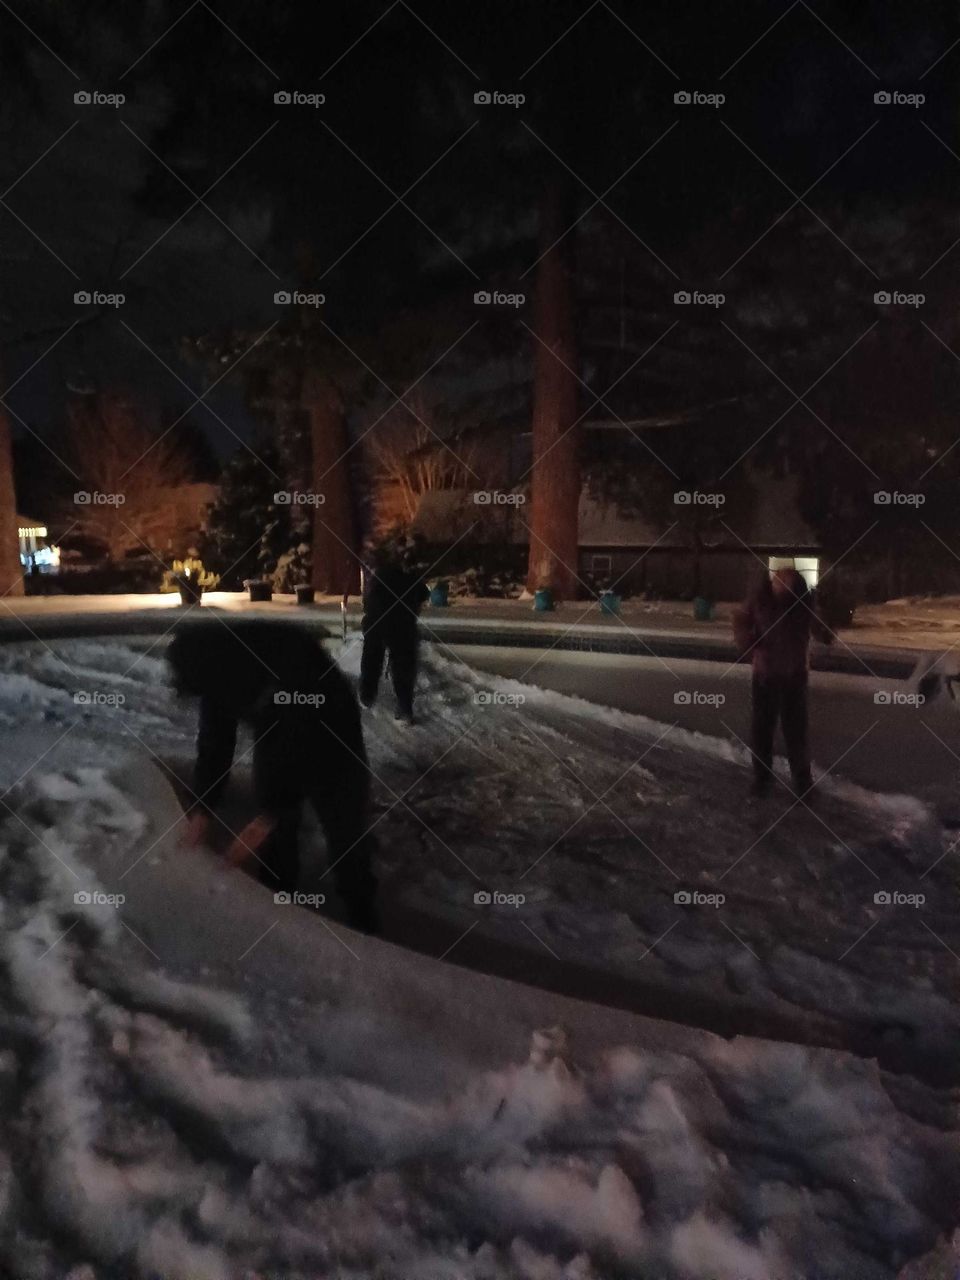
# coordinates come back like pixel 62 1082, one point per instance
pixel 624 547
pixel 725 574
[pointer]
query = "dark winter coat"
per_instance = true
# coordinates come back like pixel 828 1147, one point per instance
pixel 278 679
pixel 392 603
pixel 774 631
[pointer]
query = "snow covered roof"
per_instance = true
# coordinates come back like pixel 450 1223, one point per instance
pixel 444 515
pixel 27 525
pixel 774 520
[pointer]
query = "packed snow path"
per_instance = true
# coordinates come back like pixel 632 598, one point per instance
pixel 199 1084
pixel 887 741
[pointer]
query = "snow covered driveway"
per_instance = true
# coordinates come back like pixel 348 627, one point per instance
pixel 610 844
pixel 635 854
pixel 199 1083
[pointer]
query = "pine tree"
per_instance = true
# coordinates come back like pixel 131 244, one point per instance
pixel 247 530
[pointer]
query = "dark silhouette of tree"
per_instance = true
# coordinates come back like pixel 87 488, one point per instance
pixel 11 571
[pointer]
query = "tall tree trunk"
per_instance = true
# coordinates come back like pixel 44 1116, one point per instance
pixel 11 570
pixel 554 513
pixel 336 566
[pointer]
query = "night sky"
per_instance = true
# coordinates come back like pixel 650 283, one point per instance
pixel 199 197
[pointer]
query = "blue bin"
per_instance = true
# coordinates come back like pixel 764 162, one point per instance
pixel 543 600
pixel 702 609
pixel 610 603
pixel 440 595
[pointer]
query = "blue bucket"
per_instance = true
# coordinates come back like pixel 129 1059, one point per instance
pixel 543 600
pixel 440 595
pixel 702 609
pixel 610 603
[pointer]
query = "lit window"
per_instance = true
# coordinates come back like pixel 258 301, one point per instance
pixel 808 566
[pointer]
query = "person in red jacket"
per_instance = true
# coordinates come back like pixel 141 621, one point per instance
pixel 773 629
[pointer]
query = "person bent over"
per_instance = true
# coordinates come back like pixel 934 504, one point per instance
pixel 307 745
pixel 773 628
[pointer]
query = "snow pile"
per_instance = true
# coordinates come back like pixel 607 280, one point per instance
pixel 164 1127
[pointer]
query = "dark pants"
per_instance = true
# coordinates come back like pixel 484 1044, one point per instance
pixel 784 699
pixel 401 647
pixel 340 800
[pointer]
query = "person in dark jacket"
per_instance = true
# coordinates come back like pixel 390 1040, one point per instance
pixel 394 596
pixel 307 745
pixel 773 629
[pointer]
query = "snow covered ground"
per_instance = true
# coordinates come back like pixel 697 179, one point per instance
pixel 197 1082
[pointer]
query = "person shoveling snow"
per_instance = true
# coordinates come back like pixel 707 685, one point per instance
pixel 308 744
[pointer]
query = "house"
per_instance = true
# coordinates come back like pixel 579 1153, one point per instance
pixel 712 545
pixel 632 554
pixel 640 557
pixel 36 555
